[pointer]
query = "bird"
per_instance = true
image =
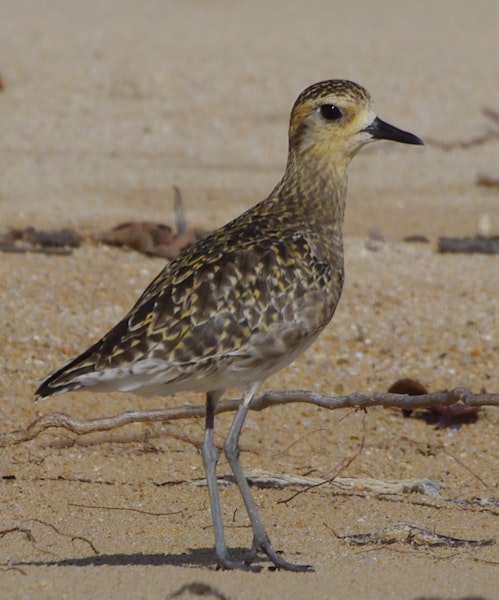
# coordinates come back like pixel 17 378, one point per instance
pixel 245 301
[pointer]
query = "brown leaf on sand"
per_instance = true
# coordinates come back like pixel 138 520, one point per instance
pixel 446 414
pixel 46 241
pixel 408 386
pixel 156 239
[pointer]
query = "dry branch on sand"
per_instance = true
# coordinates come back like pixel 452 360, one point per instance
pixel 403 401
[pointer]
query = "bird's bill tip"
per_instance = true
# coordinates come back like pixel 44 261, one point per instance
pixel 384 131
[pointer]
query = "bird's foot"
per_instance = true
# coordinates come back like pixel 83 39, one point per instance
pixel 225 562
pixel 266 547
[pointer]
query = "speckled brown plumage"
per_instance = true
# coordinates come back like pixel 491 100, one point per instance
pixel 245 301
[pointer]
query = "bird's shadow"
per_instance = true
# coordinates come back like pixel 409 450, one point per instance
pixel 198 557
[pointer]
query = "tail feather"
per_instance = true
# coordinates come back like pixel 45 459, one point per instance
pixel 65 379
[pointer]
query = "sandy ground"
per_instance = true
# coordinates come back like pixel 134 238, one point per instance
pixel 105 106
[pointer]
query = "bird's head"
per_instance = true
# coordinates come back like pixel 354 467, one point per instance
pixel 333 119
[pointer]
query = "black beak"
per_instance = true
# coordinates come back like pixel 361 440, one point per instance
pixel 384 131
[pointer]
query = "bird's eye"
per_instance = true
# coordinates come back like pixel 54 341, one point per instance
pixel 330 112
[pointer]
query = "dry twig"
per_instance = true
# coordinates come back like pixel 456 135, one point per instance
pixel 487 180
pixel 355 400
pixel 29 239
pixel 30 537
pixel 463 144
pixel 491 114
pixel 359 485
pixel 468 245
pixel 403 532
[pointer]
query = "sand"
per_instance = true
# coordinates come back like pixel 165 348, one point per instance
pixel 106 106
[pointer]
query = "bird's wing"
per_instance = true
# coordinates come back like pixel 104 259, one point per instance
pixel 206 306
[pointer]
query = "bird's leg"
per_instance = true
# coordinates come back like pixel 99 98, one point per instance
pixel 261 541
pixel 210 460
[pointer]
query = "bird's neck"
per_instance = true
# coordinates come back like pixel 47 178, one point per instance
pixel 314 190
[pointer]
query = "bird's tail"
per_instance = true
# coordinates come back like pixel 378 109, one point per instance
pixel 67 378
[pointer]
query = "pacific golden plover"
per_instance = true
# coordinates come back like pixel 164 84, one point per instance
pixel 245 301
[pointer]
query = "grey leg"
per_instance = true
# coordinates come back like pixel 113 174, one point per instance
pixel 210 460
pixel 261 541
